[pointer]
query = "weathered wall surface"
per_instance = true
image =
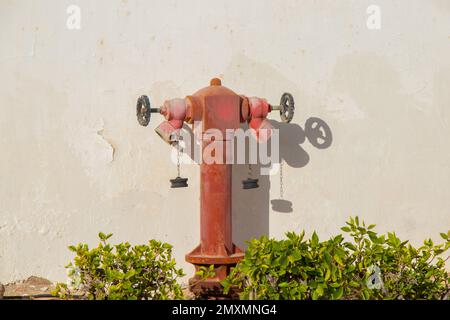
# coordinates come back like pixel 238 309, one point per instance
pixel 74 161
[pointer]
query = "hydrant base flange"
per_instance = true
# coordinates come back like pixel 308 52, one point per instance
pixel 196 257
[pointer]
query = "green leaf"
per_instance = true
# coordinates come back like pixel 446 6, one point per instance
pixel 296 255
pixel 338 293
pixel 283 261
pixel 327 257
pixel 338 260
pixel 327 274
pixel 314 239
pixel 319 290
pixel 366 294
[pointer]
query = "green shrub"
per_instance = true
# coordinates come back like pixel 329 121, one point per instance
pixel 122 272
pixel 370 266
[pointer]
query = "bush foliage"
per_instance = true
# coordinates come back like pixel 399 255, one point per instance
pixel 122 271
pixel 370 266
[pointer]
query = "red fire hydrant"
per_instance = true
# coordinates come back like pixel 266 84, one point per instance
pixel 219 108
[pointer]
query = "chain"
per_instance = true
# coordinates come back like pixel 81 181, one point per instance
pixel 178 158
pixel 176 139
pixel 281 180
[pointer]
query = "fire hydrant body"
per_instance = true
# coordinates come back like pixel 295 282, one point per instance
pixel 218 108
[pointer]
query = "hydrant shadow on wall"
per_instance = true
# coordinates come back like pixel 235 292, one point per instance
pixel 216 108
pixel 253 209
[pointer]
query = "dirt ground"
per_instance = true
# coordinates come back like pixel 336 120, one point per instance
pixel 40 288
pixel 33 286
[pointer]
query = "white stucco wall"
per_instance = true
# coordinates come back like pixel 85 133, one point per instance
pixel 74 161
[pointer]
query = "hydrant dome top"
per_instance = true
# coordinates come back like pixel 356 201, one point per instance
pixel 215 89
pixel 215 82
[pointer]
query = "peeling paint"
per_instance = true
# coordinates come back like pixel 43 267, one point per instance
pixel 113 149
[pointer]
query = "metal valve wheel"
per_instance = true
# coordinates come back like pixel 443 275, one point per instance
pixel 143 110
pixel 287 107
